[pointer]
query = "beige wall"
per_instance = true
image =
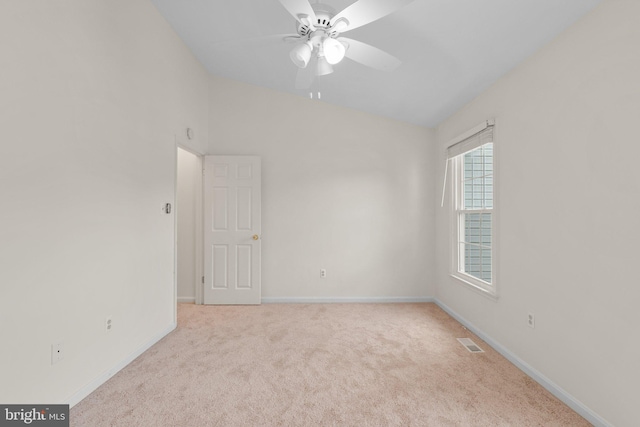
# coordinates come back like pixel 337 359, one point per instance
pixel 567 150
pixel 342 190
pixel 93 93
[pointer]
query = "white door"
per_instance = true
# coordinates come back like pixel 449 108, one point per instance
pixel 232 230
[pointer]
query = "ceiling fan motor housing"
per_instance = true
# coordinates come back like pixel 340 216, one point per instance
pixel 324 14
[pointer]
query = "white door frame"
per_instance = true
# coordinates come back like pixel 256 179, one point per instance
pixel 199 242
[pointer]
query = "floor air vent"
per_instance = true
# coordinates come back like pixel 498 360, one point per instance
pixel 470 345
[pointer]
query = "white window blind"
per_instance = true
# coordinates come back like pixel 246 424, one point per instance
pixel 470 140
pixel 485 136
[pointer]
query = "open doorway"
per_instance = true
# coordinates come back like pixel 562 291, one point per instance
pixel 189 227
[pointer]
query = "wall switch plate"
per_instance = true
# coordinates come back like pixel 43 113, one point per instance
pixel 323 273
pixel 56 353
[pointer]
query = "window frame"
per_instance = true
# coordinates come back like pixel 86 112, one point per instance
pixel 457 227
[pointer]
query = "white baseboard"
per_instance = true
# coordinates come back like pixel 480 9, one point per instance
pixel 101 379
pixel 331 300
pixel 187 299
pixel 545 382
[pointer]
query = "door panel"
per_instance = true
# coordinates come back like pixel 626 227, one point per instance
pixel 243 207
pixel 232 230
pixel 243 257
pixel 220 209
pixel 220 266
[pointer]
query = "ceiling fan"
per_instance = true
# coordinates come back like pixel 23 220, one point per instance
pixel 319 44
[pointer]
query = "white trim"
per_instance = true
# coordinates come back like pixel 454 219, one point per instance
pixel 535 375
pixel 331 300
pixel 456 230
pixel 187 300
pixel 102 378
pixel 175 228
pixel 469 283
pixel 199 232
pixel 199 225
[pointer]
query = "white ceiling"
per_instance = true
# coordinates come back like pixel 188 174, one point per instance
pixel 451 50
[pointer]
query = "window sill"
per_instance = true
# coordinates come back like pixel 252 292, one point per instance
pixel 466 282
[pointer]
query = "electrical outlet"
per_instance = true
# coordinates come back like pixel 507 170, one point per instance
pixel 56 353
pixel 108 324
pixel 531 321
pixel 323 273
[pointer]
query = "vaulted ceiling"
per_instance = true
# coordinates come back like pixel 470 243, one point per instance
pixel 451 50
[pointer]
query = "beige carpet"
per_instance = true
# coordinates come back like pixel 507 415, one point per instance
pixel 320 365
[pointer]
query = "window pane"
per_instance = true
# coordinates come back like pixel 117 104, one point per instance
pixel 473 163
pixel 485 259
pixel 488 192
pixel 473 261
pixel 487 152
pixel 486 265
pixel 478 167
pixel 472 228
pixel 468 170
pixel 486 220
pixel 478 178
pixel 475 239
pixel 485 237
pixel 475 245
pixel 474 193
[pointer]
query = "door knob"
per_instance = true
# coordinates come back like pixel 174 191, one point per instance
pixel 256 237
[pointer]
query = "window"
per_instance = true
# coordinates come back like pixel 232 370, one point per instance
pixel 473 254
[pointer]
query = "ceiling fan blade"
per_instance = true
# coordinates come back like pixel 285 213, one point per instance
pixel 306 75
pixel 363 12
pixel 300 9
pixel 370 56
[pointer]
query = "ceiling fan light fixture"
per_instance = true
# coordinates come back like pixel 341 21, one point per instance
pixel 334 51
pixel 301 54
pixel 324 67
